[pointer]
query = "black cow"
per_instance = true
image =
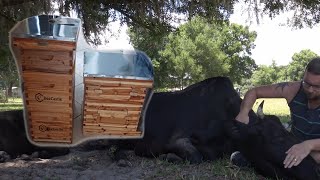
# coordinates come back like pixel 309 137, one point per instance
pixel 264 143
pixel 190 123
pixel 13 138
pixel 197 124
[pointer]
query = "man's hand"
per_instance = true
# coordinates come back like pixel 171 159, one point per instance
pixel 296 154
pixel 244 118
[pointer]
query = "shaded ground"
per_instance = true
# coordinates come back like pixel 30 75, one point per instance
pixel 98 164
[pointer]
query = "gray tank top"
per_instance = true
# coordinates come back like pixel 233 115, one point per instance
pixel 305 121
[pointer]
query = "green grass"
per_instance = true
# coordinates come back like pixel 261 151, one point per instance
pixel 274 106
pixel 12 104
pixel 218 170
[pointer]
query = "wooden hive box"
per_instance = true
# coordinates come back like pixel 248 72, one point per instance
pixel 47 76
pixel 113 106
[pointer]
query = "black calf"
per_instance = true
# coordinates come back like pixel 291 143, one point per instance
pixel 264 143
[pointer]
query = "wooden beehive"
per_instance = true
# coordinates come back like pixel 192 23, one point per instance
pixel 113 106
pixel 47 76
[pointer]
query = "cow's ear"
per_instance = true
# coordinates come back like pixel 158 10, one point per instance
pixel 260 110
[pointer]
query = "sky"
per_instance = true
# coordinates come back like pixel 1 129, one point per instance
pixel 277 42
pixel 274 41
pixel 120 40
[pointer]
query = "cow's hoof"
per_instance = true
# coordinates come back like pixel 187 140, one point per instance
pixel 239 160
pixel 50 153
pixel 35 155
pixel 4 157
pixel 195 159
pixel 171 157
pixel 25 157
pixel 124 163
pixel 120 155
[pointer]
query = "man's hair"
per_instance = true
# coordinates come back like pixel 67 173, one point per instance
pixel 314 66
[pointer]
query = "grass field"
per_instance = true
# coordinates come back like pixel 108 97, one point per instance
pixel 272 106
pixel 13 103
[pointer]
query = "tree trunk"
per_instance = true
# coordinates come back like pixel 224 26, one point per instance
pixel 5 96
pixel 9 90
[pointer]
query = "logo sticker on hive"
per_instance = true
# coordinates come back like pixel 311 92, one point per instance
pixel 44 128
pixel 40 97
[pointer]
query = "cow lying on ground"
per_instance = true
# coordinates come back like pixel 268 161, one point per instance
pixel 189 124
pixel 196 124
pixel 193 124
pixel 13 138
pixel 264 142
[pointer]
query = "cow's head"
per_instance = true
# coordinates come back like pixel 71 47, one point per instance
pixel 260 125
pixel 272 120
pixel 267 136
pixel 269 128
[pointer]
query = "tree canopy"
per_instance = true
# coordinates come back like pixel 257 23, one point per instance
pixel 159 15
pixel 298 64
pixel 292 72
pixel 10 13
pixel 265 75
pixel 197 50
pixel 156 19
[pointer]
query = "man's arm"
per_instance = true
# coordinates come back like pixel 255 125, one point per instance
pixel 285 90
pixel 299 151
pixel 314 144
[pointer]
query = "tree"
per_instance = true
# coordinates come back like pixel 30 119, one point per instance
pixel 8 71
pixel 305 13
pixel 237 43
pixel 297 66
pixel 181 64
pixel 292 72
pixel 9 15
pixel 144 40
pixel 158 15
pixel 265 75
pixel 155 16
pixel 200 50
pixel 283 75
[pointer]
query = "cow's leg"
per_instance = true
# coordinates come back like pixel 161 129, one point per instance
pixel 47 153
pixel 212 147
pixel 268 169
pixel 149 149
pixel 184 148
pixel 210 152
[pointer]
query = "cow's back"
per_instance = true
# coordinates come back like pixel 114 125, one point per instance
pixel 197 112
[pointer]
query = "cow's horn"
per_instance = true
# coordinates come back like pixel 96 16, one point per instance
pixel 260 110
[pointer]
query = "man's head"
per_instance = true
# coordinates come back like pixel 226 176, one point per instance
pixel 314 66
pixel 311 79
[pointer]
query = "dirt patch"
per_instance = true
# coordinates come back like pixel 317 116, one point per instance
pixel 98 164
